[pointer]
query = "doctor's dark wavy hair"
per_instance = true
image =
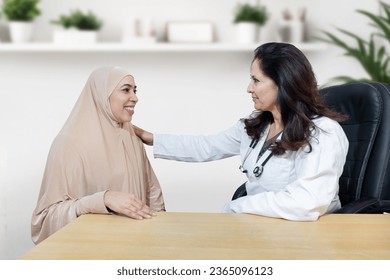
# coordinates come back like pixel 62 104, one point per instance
pixel 298 96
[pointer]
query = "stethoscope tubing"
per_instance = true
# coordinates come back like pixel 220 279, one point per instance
pixel 258 170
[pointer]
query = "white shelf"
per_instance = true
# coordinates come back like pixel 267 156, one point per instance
pixel 151 47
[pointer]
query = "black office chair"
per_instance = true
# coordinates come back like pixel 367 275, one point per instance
pixel 365 181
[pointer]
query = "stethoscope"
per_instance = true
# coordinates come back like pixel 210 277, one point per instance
pixel 258 170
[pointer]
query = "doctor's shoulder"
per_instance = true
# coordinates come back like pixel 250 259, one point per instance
pixel 329 128
pixel 327 125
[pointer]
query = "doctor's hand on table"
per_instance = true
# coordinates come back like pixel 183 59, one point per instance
pixel 127 204
pixel 145 136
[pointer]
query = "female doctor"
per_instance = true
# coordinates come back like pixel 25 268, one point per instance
pixel 292 148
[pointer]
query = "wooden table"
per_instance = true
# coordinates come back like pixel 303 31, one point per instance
pixel 211 236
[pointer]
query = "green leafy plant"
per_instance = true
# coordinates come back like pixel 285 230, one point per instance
pixel 251 13
pixel 21 10
pixel 80 20
pixel 372 56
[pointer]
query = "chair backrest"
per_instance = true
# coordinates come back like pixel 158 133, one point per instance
pixel 366 171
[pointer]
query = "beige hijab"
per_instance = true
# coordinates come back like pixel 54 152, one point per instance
pixel 90 155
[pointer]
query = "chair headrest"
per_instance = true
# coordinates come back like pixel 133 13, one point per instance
pixel 360 101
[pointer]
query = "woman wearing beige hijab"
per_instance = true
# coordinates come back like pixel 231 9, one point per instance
pixel 96 163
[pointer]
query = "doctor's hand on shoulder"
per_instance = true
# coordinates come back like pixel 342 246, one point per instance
pixel 145 136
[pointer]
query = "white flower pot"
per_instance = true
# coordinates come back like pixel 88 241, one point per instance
pixel 20 31
pixel 74 37
pixel 246 32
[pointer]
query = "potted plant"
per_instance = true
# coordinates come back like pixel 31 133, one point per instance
pixel 373 53
pixel 248 18
pixel 77 27
pixel 20 14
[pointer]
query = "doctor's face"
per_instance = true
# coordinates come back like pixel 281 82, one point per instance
pixel 263 89
pixel 123 100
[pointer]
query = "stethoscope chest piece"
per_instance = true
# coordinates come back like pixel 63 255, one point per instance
pixel 258 171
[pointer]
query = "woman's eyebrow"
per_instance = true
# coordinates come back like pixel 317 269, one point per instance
pixel 128 85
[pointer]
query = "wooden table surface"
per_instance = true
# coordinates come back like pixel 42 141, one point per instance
pixel 211 236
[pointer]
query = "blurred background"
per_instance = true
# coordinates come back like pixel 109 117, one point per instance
pixel 191 65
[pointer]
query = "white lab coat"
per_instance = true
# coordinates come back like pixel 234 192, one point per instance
pixel 297 185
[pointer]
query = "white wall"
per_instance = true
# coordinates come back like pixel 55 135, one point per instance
pixel 179 92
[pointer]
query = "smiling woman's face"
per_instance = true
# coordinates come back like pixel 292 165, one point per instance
pixel 123 100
